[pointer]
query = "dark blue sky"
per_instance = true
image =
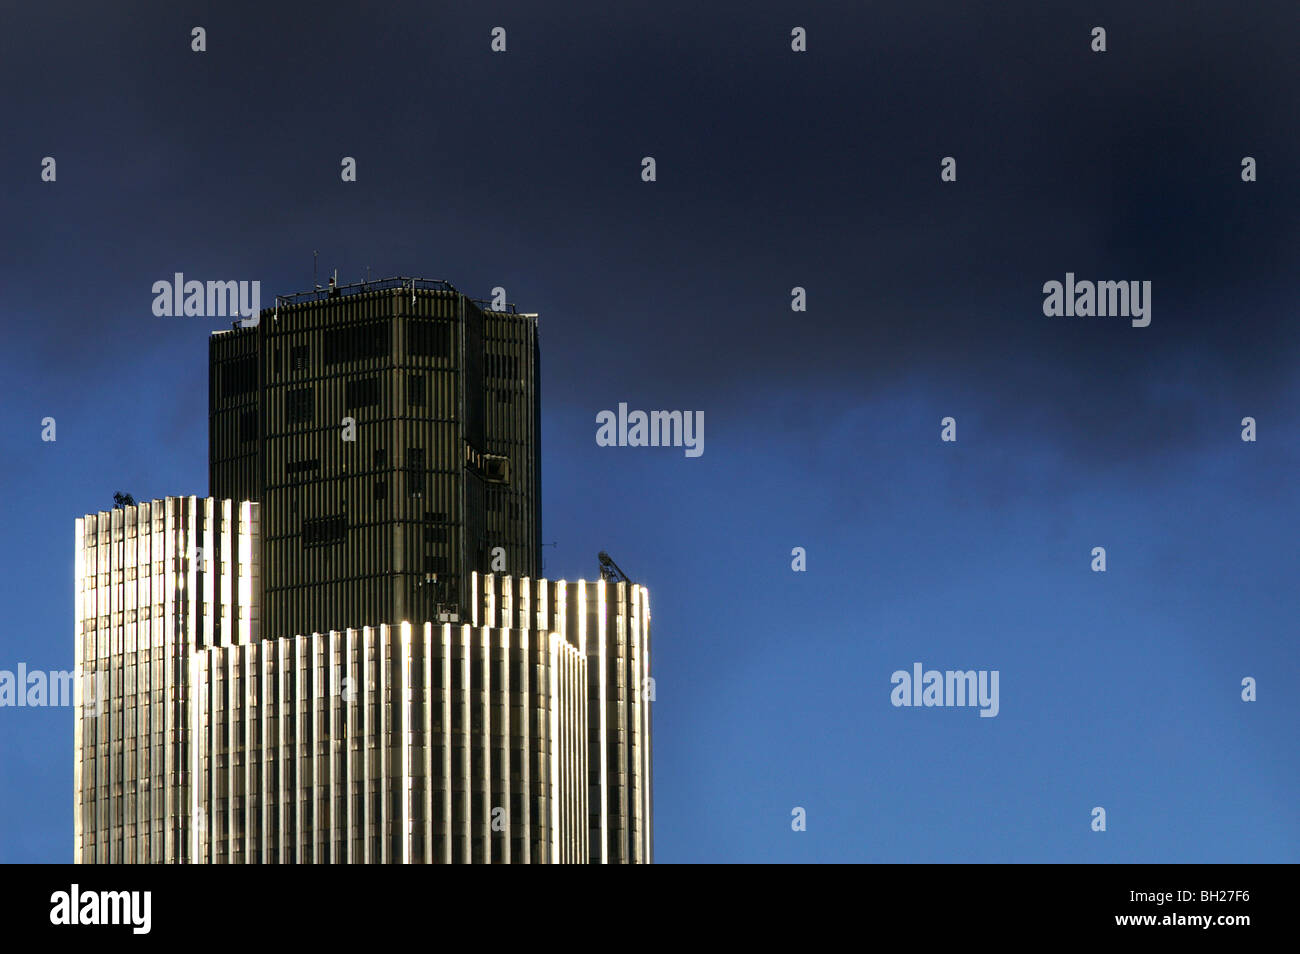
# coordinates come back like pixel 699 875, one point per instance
pixel 775 169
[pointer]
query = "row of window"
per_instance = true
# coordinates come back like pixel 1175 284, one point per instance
pixel 358 393
pixel 363 392
pixel 425 338
pixel 504 366
pixel 130 531
pixel 93 624
pixel 178 563
pixel 324 531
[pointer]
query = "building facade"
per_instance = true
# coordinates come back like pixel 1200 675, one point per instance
pixel 407 744
pixel 154 584
pixel 519 735
pixel 609 624
pixel 391 431
pixel 345 654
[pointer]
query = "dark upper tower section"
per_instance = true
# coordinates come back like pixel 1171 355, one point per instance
pixel 381 520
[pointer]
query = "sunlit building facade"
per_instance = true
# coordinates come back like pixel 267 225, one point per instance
pixel 519 736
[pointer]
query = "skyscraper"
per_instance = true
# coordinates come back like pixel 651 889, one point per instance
pixel 353 659
pixel 391 429
pixel 519 735
pixel 154 584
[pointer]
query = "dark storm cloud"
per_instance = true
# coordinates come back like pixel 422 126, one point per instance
pixel 775 170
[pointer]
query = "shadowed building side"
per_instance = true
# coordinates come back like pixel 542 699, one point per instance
pixel 391 430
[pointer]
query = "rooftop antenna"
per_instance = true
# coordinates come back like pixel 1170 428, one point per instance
pixel 610 571
pixel 314 283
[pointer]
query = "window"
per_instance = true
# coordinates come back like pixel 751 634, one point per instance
pixel 504 366
pixel 381 458
pixel 363 392
pixel 324 531
pixel 298 406
pixel 361 340
pixel 381 490
pixel 247 426
pixel 298 358
pixel 430 339
pixel 239 376
pixel 415 470
pixel 415 390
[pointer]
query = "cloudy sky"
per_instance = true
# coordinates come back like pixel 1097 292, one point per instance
pixel 775 169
